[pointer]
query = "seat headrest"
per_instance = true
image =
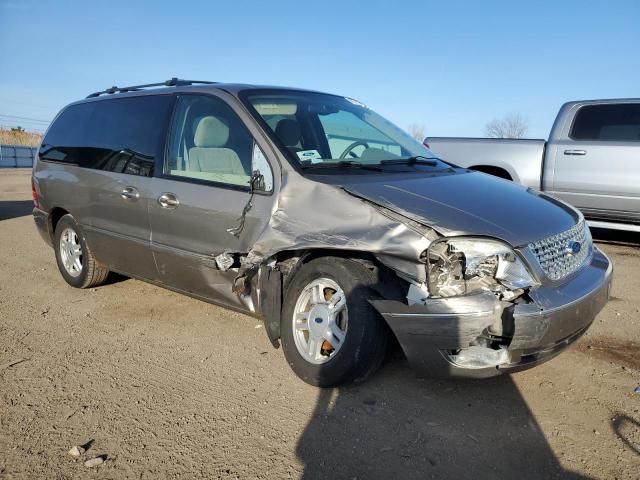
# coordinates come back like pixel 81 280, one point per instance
pixel 288 131
pixel 211 132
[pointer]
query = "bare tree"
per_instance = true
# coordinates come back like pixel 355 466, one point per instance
pixel 512 125
pixel 417 131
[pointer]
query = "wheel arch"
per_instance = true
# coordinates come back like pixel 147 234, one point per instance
pixel 54 217
pixel 499 172
pixel 277 272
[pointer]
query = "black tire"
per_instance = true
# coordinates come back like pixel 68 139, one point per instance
pixel 366 339
pixel 93 273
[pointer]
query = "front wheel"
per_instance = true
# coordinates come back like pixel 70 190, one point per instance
pixel 330 332
pixel 76 263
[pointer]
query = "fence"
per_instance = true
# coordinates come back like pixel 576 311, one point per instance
pixel 16 156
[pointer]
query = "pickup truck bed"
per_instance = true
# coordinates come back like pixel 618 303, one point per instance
pixel 519 160
pixel 591 160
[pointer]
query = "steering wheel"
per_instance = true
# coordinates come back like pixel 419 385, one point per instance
pixel 349 149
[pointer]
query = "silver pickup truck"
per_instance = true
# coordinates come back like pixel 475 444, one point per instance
pixel 591 160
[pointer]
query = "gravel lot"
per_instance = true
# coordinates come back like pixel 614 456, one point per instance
pixel 167 386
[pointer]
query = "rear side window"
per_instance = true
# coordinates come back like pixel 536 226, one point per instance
pixel 121 135
pixel 67 134
pixel 619 122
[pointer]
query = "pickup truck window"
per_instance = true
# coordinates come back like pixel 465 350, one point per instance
pixel 616 122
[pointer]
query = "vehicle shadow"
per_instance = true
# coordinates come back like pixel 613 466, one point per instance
pixel 114 278
pixel 616 237
pixel 398 426
pixel 15 208
pixel 627 429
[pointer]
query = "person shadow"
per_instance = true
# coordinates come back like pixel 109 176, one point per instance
pixel 396 426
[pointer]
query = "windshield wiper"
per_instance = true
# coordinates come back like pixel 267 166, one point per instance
pixel 344 164
pixel 417 159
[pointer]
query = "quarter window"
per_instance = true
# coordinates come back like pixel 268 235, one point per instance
pixel 618 122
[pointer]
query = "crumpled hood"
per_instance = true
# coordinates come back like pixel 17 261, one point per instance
pixel 469 203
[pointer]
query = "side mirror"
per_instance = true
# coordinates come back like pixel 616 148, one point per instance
pixel 261 176
pixel 257 181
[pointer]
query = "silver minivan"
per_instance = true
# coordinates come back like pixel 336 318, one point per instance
pixel 319 216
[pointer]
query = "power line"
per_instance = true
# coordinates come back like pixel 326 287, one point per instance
pixel 30 119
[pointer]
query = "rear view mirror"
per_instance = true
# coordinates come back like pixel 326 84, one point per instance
pixel 322 109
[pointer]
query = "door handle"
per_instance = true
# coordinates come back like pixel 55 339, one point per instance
pixel 168 200
pixel 575 152
pixel 130 193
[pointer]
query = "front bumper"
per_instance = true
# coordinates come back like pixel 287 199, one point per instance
pixel 530 333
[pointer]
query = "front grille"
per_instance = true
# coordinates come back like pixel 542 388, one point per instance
pixel 555 254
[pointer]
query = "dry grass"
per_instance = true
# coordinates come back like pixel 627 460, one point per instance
pixel 12 137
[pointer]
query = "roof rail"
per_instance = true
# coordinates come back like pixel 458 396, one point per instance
pixel 172 82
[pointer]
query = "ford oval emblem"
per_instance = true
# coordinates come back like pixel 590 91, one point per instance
pixel 573 248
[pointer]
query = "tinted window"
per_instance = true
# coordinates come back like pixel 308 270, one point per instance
pixel 67 134
pixel 619 122
pixel 120 135
pixel 209 142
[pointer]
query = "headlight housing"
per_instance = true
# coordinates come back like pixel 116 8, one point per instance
pixel 461 266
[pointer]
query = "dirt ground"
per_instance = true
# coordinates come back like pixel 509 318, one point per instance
pixel 166 386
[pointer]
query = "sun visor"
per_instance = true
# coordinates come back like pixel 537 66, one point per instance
pixel 265 107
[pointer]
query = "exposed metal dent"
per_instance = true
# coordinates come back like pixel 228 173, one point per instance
pixel 425 330
pixel 224 261
pixel 418 294
pixel 312 215
pixel 532 329
pixel 446 327
pixel 403 217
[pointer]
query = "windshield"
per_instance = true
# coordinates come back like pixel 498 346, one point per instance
pixel 318 130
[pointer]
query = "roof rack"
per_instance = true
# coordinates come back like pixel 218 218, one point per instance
pixel 172 82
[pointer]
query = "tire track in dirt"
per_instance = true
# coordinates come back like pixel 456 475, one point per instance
pixel 621 352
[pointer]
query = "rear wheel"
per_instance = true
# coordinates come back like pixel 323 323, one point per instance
pixel 330 332
pixel 75 261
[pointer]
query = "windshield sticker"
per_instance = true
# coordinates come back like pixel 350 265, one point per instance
pixel 312 155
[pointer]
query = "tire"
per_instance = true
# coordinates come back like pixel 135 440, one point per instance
pixel 87 271
pixel 365 337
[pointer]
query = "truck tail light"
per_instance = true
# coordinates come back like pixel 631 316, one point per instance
pixel 34 192
pixel 426 144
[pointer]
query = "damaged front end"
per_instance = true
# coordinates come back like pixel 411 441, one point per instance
pixel 311 217
pixel 488 309
pixel 468 306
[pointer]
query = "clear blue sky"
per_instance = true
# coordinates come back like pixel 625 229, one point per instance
pixel 451 66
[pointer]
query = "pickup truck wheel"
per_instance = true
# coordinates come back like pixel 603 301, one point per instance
pixel 330 333
pixel 75 261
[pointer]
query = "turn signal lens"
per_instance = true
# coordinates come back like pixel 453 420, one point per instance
pixel 34 193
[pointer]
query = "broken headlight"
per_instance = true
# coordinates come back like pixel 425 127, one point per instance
pixel 461 266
